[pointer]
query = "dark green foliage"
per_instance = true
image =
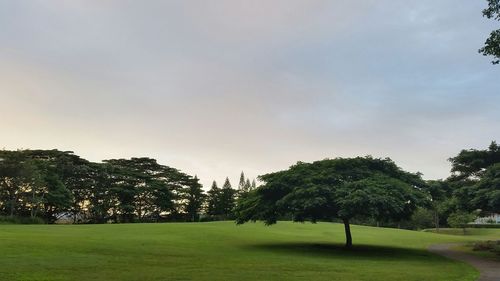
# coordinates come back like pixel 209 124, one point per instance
pixel 227 200
pixel 486 192
pixel 244 185
pixel 213 199
pixel 476 179
pixel 422 218
pixel 344 188
pixel 481 225
pixel 194 197
pixel 247 186
pixel 460 219
pixel 492 44
pixel 471 164
pixel 52 184
pixel 441 203
pixel 20 220
pixel 221 201
pixel 241 184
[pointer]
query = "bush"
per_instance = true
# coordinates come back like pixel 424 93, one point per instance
pixel 422 218
pixel 496 249
pixel 492 246
pixel 478 225
pixel 21 220
pixel 460 219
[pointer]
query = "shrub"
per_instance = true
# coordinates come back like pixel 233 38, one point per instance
pixel 460 219
pixel 496 249
pixel 492 246
pixel 21 220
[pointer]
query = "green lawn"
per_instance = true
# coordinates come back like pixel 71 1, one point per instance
pixel 223 251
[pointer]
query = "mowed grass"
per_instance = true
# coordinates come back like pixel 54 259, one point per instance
pixel 478 234
pixel 223 251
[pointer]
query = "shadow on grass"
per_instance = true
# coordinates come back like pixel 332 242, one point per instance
pixel 358 252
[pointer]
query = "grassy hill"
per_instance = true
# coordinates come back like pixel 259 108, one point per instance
pixel 223 251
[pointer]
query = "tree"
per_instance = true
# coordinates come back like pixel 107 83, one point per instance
pixel 422 218
pixel 241 184
pixel 58 199
pixel 227 200
pixel 471 164
pixel 248 186
pixel 194 197
pixel 11 179
pixel 53 183
pixel 492 44
pixel 343 188
pixel 460 219
pixel 145 189
pixel 254 185
pixel 440 193
pixel 475 179
pixel 101 199
pixel 486 193
pixel 213 198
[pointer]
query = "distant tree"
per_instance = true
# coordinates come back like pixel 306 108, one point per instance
pixel 12 166
pixel 248 186
pixel 492 44
pixel 58 199
pixel 50 184
pixel 460 219
pixel 254 185
pixel 193 196
pixel 241 184
pixel 227 200
pixel 441 194
pixel 213 199
pixel 472 164
pixel 475 179
pixel 101 200
pixel 485 194
pixel 74 173
pixel 344 188
pixel 422 218
pixel 145 189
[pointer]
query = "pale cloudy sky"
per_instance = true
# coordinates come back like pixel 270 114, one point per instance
pixel 217 87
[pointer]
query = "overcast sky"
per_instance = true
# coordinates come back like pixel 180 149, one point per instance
pixel 217 87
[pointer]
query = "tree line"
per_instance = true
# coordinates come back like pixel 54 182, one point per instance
pixel 50 185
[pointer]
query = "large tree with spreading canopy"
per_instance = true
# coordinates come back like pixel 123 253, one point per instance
pixel 341 188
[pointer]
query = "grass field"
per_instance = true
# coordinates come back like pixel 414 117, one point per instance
pixel 223 251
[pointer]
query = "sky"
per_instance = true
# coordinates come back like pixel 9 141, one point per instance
pixel 214 88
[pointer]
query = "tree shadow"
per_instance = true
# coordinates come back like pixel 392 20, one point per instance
pixel 357 252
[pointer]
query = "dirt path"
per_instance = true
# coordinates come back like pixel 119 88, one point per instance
pixel 489 270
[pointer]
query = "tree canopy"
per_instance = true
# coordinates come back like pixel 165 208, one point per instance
pixel 341 188
pixel 52 183
pixel 476 179
pixel 492 45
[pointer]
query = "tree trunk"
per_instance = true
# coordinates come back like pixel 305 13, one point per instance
pixel 348 237
pixel 12 206
pixel 11 212
pixel 436 220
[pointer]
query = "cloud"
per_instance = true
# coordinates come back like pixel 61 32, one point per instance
pixel 217 87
